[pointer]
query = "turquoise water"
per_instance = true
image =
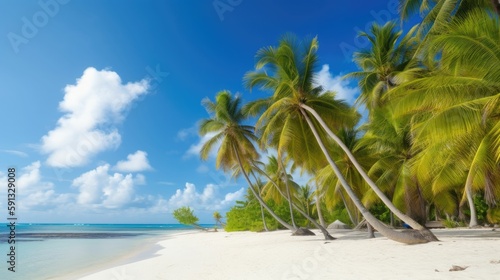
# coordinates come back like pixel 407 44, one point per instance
pixel 66 251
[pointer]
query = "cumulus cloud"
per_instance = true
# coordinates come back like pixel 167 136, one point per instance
pixel 34 192
pixel 136 162
pixel 207 199
pixel 92 108
pixel 99 188
pixel 335 83
pixel 31 179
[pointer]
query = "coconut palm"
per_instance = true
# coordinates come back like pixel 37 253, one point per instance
pixel 326 234
pixel 305 198
pixel 295 112
pixel 459 102
pixel 278 174
pixel 234 138
pixel 387 63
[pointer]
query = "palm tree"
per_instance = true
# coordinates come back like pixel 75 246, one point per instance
pixel 297 109
pixel 279 175
pixel 460 100
pixel 326 234
pixel 386 64
pixel 235 139
pixel 218 218
pixel 306 200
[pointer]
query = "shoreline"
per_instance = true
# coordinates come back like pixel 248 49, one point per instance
pixel 278 255
pixel 143 249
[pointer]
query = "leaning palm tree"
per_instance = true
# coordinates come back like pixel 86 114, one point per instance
pixel 460 100
pixel 297 110
pixel 234 138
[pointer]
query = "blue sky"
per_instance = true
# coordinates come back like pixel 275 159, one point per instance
pixel 100 99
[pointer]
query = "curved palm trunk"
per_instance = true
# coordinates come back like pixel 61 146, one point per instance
pixel 351 216
pixel 318 208
pixel 407 237
pixel 288 193
pixel 470 200
pixel 326 234
pixel 261 209
pixel 365 176
pixel 261 201
pixel 263 217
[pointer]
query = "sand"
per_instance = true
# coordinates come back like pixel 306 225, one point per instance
pixel 278 255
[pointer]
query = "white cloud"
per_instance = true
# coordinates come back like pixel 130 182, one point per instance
pixel 31 179
pixel 207 199
pixel 336 84
pixel 136 162
pixel 14 152
pixel 92 107
pixel 98 188
pixel 34 193
pixel 187 132
pixel 195 149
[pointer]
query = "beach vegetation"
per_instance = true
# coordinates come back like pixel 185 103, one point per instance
pixel 429 147
pixel 185 215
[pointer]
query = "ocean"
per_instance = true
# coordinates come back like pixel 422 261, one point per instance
pixel 69 251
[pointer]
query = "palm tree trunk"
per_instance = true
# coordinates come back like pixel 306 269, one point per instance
pixel 470 200
pixel 351 216
pixel 318 208
pixel 261 208
pixel 496 6
pixel 326 234
pixel 407 237
pixel 369 228
pixel 263 217
pixel 261 201
pixel 287 191
pixel 365 176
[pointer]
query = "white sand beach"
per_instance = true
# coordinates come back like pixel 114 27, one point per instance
pixel 278 255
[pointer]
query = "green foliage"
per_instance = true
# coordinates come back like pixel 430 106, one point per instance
pixel 453 224
pixel 247 216
pixel 481 207
pixel 185 215
pixel 493 215
pixel 337 213
pixel 382 213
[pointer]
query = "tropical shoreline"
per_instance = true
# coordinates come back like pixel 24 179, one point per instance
pixel 278 255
